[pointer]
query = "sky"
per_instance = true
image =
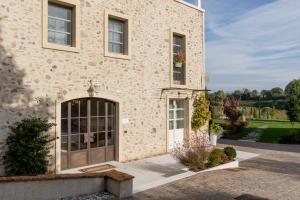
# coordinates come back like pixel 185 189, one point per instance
pixel 252 44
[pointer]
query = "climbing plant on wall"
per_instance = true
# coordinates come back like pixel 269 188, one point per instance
pixel 201 113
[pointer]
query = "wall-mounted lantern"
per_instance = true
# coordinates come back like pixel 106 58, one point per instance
pixel 91 89
pixel 94 88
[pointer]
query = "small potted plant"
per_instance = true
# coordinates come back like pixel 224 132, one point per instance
pixel 215 130
pixel 179 59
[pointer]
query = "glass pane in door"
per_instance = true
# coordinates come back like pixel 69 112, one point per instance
pixel 74 143
pixel 94 140
pixel 83 143
pixel 176 114
pixel 101 139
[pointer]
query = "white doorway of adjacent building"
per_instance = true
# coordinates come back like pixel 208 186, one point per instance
pixel 176 122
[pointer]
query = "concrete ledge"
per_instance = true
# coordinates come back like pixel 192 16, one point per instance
pixel 119 184
pixel 121 189
pixel 230 165
pixel 48 187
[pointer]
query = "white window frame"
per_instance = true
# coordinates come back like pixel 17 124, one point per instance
pixel 75 27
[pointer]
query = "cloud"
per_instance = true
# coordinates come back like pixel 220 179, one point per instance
pixel 258 48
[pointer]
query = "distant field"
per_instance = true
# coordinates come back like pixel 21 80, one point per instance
pixel 273 132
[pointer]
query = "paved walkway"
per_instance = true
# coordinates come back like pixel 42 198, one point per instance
pixel 159 170
pixel 275 174
pixel 255 135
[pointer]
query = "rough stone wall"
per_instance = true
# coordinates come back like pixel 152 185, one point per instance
pixel 32 78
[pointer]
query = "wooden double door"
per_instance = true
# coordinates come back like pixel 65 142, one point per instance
pixel 88 132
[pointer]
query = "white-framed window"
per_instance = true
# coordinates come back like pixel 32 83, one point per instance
pixel 61 29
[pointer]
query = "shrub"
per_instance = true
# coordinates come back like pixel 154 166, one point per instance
pixel 231 129
pixel 231 110
pixel 243 124
pixel 225 159
pixel 292 91
pixel 195 155
pixel 216 157
pixel 215 128
pixel 230 152
pixel 291 139
pixel 28 147
pixel 195 159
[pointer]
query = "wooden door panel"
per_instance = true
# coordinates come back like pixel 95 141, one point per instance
pixel 78 159
pixel 97 155
pixel 64 160
pixel 110 153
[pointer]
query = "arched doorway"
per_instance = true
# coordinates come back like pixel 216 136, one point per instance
pixel 88 132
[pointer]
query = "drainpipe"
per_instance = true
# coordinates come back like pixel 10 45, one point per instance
pixel 55 136
pixel 203 53
pixel 198 3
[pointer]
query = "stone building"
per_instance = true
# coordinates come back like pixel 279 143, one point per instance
pixel 118 77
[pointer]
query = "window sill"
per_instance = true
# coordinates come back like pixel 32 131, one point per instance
pixel 48 45
pixel 179 86
pixel 118 56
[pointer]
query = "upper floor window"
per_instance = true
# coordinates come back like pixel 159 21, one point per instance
pixel 116 36
pixel 59 24
pixel 179 56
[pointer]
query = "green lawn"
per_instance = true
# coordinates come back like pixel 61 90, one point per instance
pixel 271 134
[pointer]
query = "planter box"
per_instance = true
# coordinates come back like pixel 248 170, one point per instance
pixel 178 65
pixel 48 187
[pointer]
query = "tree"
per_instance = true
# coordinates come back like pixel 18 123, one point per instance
pixel 28 147
pixel 201 113
pixel 237 94
pixel 216 103
pixel 220 96
pixel 266 94
pixel 254 94
pixel 246 94
pixel 277 92
pixel 255 113
pixel 292 91
pixel 231 110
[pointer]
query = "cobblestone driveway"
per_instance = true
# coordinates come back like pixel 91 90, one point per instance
pixel 275 175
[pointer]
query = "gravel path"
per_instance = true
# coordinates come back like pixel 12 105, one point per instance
pixel 274 175
pixel 98 196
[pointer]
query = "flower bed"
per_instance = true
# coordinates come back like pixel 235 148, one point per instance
pixel 198 155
